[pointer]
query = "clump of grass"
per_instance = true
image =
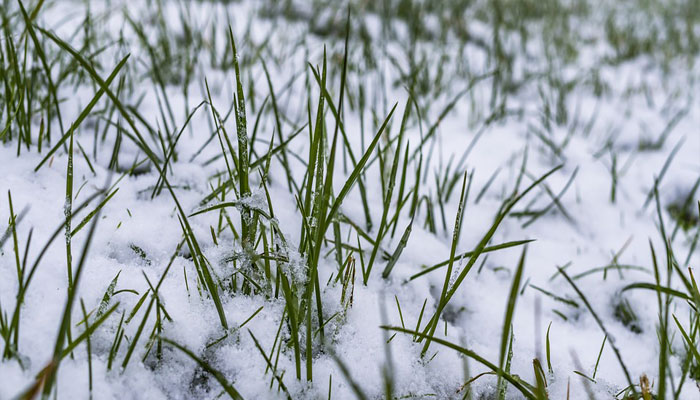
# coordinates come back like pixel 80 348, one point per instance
pixel 684 212
pixel 683 215
pixel 625 314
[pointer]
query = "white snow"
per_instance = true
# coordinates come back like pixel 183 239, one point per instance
pixel 597 230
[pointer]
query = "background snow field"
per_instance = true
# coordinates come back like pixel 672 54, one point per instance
pixel 316 199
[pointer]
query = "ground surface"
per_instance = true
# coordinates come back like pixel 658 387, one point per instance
pixel 598 100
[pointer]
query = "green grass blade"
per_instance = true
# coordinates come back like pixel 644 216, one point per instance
pixel 513 380
pixel 510 308
pixel 230 389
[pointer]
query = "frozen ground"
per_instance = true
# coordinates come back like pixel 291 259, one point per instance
pixel 620 126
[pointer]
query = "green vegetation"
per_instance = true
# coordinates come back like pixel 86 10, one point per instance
pixel 357 153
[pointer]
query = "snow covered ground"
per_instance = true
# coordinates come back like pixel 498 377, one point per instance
pixel 503 107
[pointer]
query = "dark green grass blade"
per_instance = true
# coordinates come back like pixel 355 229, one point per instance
pixel 602 327
pixel 230 389
pixel 399 249
pixel 83 114
pixel 42 56
pixel 93 212
pixel 507 206
pixel 470 253
pixel 270 366
pixel 523 387
pixel 65 320
pixel 688 341
pixel 657 288
pixel 89 331
pixel 510 308
pixel 356 171
pixel 86 65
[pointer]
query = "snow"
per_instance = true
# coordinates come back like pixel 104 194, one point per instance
pixel 598 229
